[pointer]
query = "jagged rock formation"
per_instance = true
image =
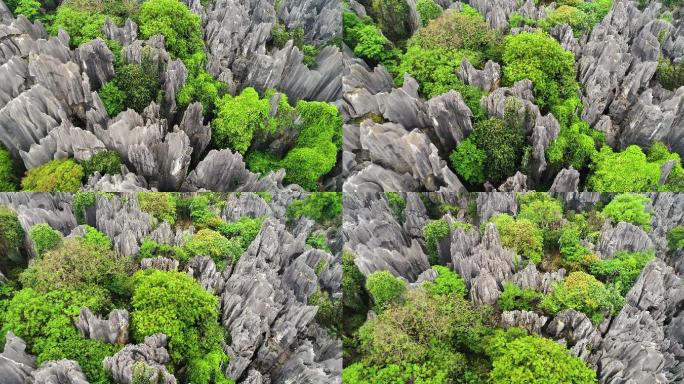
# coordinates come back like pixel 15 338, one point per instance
pixel 576 330
pixel 58 372
pixel 529 321
pixel 113 330
pixel 624 237
pixel 15 364
pixel 152 354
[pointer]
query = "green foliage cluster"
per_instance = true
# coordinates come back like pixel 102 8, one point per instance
pixel 543 211
pixel 630 208
pixel 323 207
pixel 535 360
pixel 329 311
pixel 54 176
pixel 8 180
pixel 675 238
pixel 540 58
pixel 515 298
pixel 574 255
pixel 160 205
pixel 318 241
pixel 583 292
pixel 172 19
pixel 77 264
pixel 446 283
pixel 81 201
pixel 434 231
pixel 204 88
pixel 576 145
pixel 104 162
pixel 492 152
pixel 174 304
pixel 397 205
pixel 384 288
pixel 670 75
pixel 45 322
pixel 428 10
pixel 280 36
pixel 240 119
pixel 520 235
pixel 352 283
pixel 150 249
pixel 45 238
pixel 633 171
pixel 622 270
pixel 95 238
pixel 207 242
pixel 11 232
pixel 81 25
pixel 134 86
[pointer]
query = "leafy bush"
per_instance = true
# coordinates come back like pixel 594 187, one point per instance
pixel 630 208
pixel 574 255
pixel 280 36
pixel 622 270
pixel 82 201
pixel 45 238
pixel 11 232
pixel 537 360
pixel 104 162
pixel 139 83
pixel 28 8
pixel 173 19
pixel 433 232
pixel 54 176
pixel 371 44
pixel 8 181
pixel 174 304
pixel 150 248
pixel 239 119
pixel 582 292
pixel 384 288
pixel 352 283
pixel 540 58
pixel 318 241
pixel 543 210
pixel 577 19
pixel 45 322
pixel 521 236
pixel 329 310
pixel 75 265
pixel 575 146
pixel 158 204
pixel 81 25
pixel 469 162
pixel 207 242
pixel 392 18
pixel 446 283
pixel 626 171
pixel 113 98
pixel 428 10
pixel 675 238
pixel 324 207
pixel 203 88
pixel 397 205
pixel 458 31
pixel 670 75
pixel 95 238
pixel 515 298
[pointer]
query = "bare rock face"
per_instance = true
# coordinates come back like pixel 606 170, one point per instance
pixel 60 143
pixel 491 204
pixel 623 237
pixel 644 343
pixel 515 183
pixel 577 331
pixel 567 180
pixel 529 321
pixel 530 277
pixel 121 219
pixel 203 269
pixel 378 240
pixel 58 372
pixel 486 79
pixel 15 364
pixel 97 61
pixel 152 354
pixel 113 330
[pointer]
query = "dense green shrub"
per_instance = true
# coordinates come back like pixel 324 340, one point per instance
pixel 150 248
pixel 392 18
pixel 173 19
pixel 158 204
pixel 537 360
pixel 324 207
pixel 675 238
pixel 577 19
pixel 502 146
pixel 75 265
pixel 575 146
pixel 426 373
pixel 11 232
pixel 120 8
pixel 428 10
pixel 670 75
pixel 82 201
pixel 520 235
pixel 174 304
pixel 280 36
pixel 446 283
pixel 318 241
pixel 54 176
pixel 469 162
pixel 352 283
pixel 540 58
pixel 45 322
pixel 622 270
pixel 95 238
pixel 28 8
pixel 630 208
pixel 203 88
pixel 433 232
pixel 104 162
pixel 45 238
pixel 384 288
pixel 515 298
pixel 397 204
pixel 81 25
pixel 574 255
pixel 632 171
pixel 543 210
pixel 138 83
pixel 239 119
pixel 207 242
pixel 329 310
pixel 8 180
pixel 582 292
pixel 113 98
pixel 596 10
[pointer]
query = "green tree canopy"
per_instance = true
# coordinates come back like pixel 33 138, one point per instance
pixel 173 20
pixel 54 176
